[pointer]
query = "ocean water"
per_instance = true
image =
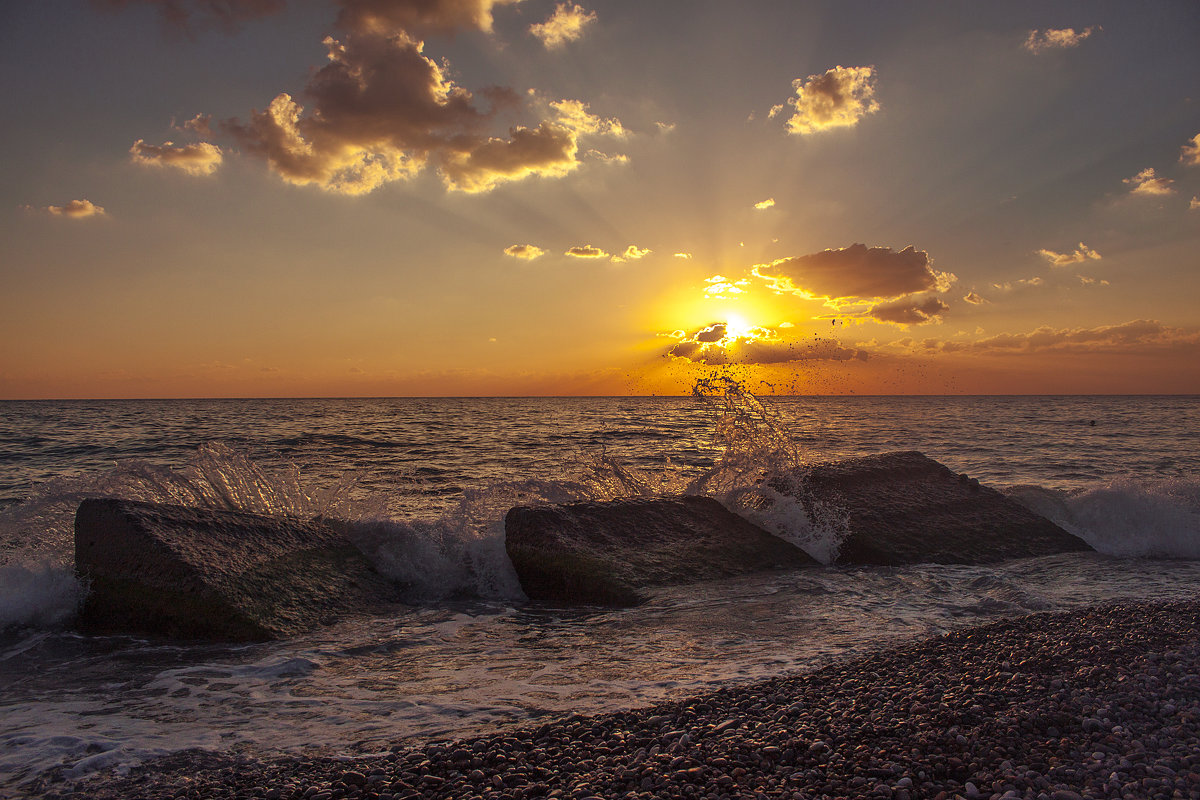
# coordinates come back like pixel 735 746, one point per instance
pixel 427 482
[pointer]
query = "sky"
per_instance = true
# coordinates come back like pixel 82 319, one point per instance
pixel 277 198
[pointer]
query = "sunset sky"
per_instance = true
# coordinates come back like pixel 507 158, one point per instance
pixel 210 198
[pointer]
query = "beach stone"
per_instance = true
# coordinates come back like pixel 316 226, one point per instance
pixel 906 508
pixel 220 575
pixel 604 553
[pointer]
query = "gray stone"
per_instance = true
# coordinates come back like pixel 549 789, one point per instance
pixel 906 508
pixel 223 575
pixel 604 553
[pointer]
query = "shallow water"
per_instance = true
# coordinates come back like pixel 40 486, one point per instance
pixel 433 478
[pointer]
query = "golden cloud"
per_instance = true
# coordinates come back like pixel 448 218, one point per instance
pixel 76 209
pixel 763 205
pixel 201 158
pixel 527 252
pixel 837 99
pixel 1189 154
pixel 1055 39
pixel 974 299
pixel 566 24
pixel 1082 254
pixel 586 251
pixel 684 256
pixel 721 287
pixel 632 253
pixel 1148 183
pixel 1194 204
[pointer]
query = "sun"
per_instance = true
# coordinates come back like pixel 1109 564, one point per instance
pixel 736 327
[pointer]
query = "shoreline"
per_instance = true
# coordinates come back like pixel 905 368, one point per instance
pixel 1097 702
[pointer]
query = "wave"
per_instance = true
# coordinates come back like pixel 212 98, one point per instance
pixel 1125 517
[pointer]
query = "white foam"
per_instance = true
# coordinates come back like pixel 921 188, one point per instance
pixel 1126 517
pixel 44 595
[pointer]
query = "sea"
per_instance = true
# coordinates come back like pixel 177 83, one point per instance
pixel 428 481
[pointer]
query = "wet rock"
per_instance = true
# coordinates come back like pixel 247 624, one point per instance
pixel 603 553
pixel 906 508
pixel 222 575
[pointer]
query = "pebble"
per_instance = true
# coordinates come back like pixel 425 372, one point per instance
pixel 1060 706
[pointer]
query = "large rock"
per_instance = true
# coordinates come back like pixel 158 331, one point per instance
pixel 906 508
pixel 603 553
pixel 207 574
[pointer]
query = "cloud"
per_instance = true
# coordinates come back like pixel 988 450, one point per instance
pixel 909 311
pixel 1194 204
pixel 716 344
pixel 76 209
pixel 837 99
pixel 854 273
pixel 1147 182
pixel 524 251
pixel 586 251
pixel 974 299
pixel 566 24
pixel 763 205
pixel 684 256
pixel 1136 336
pixel 1189 154
pixel 1082 254
pixel 200 158
pixel 381 110
pixel 632 253
pixel 721 287
pixel 187 15
pixel 1056 39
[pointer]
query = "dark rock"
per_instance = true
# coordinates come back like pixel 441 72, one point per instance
pixel 207 574
pixel 603 553
pixel 906 508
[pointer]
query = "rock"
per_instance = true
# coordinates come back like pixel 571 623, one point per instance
pixel 906 508
pixel 603 553
pixel 223 575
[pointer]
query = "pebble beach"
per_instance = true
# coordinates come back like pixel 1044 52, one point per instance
pixel 1097 703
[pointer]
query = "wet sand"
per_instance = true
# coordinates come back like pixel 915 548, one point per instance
pixel 1096 703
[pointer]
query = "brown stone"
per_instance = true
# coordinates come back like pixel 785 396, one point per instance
pixel 224 575
pixel 604 553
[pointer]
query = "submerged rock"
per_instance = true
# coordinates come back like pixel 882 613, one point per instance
pixel 603 553
pixel 906 508
pixel 225 575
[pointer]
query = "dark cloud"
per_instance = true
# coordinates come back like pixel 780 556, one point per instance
pixel 909 311
pixel 191 14
pixel 380 110
pixel 715 345
pixel 1137 336
pixel 855 273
